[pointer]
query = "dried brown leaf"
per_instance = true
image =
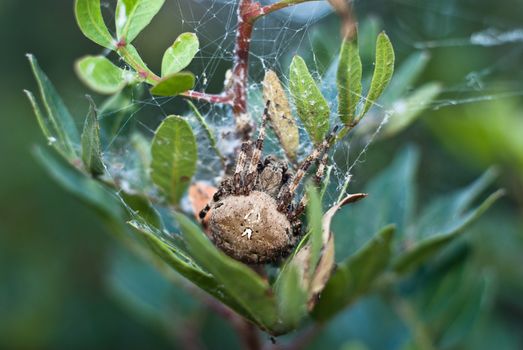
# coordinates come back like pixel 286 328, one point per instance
pixel 281 117
pixel 327 261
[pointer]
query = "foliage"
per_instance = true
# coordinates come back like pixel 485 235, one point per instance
pixel 389 241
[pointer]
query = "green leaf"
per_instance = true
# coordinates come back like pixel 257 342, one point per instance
pixel 59 123
pixel 85 188
pixel 314 218
pixel 180 54
pixel 173 84
pixel 42 121
pixel 91 149
pixel 174 156
pixel 349 80
pixel 383 69
pixel 143 290
pixel 89 18
pixel 280 114
pixel 311 106
pixel 101 75
pixel 355 276
pixel 132 16
pixel 443 213
pixel 428 247
pixel 248 289
pixel 292 297
pixel 405 111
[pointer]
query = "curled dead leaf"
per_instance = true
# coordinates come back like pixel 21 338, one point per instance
pixel 326 263
pixel 280 115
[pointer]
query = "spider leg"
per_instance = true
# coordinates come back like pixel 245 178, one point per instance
pixel 240 166
pixel 320 172
pixel 250 178
pixel 287 192
pixel 224 188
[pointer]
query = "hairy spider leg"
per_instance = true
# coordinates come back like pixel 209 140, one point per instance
pixel 225 187
pixel 320 172
pixel 240 166
pixel 250 178
pixel 287 192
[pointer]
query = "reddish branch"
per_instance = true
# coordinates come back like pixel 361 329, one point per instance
pixel 236 95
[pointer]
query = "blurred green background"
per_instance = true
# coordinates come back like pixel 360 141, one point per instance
pixel 54 253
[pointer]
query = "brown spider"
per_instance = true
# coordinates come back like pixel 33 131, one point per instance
pixel 253 216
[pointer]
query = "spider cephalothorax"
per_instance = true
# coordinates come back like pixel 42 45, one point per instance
pixel 253 215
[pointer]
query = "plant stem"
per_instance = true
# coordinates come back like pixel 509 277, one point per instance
pixel 265 10
pixel 211 98
pixel 248 12
pixel 420 334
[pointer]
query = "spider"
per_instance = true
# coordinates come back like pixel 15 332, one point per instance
pixel 253 216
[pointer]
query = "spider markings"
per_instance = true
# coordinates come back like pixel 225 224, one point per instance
pixel 253 218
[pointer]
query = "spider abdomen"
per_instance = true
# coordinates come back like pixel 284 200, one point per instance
pixel 250 228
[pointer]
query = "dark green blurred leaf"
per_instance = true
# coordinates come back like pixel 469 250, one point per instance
pixel 405 77
pixel 292 297
pixel 115 114
pixel 91 149
pixel 249 290
pixel 311 106
pixel 383 69
pixel 368 30
pixel 405 111
pixel 144 291
pixel 132 16
pixel 89 18
pixel 173 84
pixel 428 247
pixel 101 75
pixel 355 276
pixel 82 186
pixel 180 54
pixel 174 155
pixel 391 200
pixel 349 80
pixel 443 213
pixel 59 121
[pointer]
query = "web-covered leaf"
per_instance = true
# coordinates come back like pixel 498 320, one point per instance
pixel 383 69
pixel 101 75
pixel 173 84
pixel 348 80
pixel 91 145
pixel 311 106
pixel 174 156
pixel 180 53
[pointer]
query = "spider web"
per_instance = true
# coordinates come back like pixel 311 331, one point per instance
pixel 278 36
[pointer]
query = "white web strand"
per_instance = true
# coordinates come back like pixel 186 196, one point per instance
pixel 280 35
